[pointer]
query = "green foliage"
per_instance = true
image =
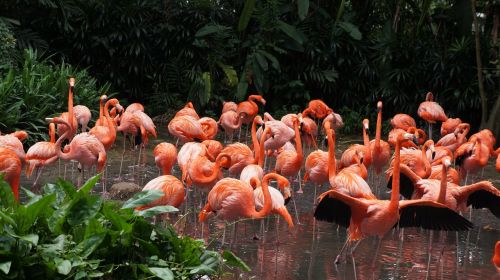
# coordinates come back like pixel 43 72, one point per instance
pixel 35 89
pixel 7 45
pixel 66 233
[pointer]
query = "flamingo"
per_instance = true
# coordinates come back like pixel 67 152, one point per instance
pixel 106 133
pixel 186 128
pixel 172 188
pixel 41 154
pixel 496 256
pixel 229 106
pixel 439 153
pixel 316 167
pixel 335 121
pixel 10 169
pixel 288 163
pixel 347 158
pixel 453 140
pixel 470 157
pixel 230 121
pixel 403 121
pixel 280 134
pixel 317 109
pixel 345 181
pixel 204 174
pixel 358 167
pixel 255 169
pixel 209 126
pixel 373 217
pixel 431 112
pixel 84 148
pixel 13 142
pixel 82 115
pixel 497 164
pixel 165 157
pixel 188 110
pixel 417 159
pixel 278 200
pixel 419 135
pixel 452 174
pixel 214 148
pixel 187 153
pixel 487 139
pixel 250 108
pixel 69 116
pixel 380 150
pixel 480 195
pixel 309 131
pixel 102 119
pixel 449 125
pixel 134 107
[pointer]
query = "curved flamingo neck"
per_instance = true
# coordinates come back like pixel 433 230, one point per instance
pixel 101 109
pixel 298 142
pixel 109 120
pixel 215 171
pixel 70 109
pixel 396 175
pixel 267 198
pixel 260 158
pixel 443 184
pixel 366 139
pixel 425 159
pixel 52 132
pixel 60 153
pixel 255 141
pixel 332 163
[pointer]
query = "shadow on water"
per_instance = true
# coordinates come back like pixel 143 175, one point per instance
pixel 307 252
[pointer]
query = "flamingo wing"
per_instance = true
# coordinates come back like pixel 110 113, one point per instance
pixel 481 195
pixel 336 207
pixel 430 215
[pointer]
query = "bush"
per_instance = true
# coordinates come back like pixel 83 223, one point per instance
pixel 7 45
pixel 69 234
pixel 35 89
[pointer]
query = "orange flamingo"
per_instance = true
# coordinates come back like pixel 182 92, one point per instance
pixel 480 195
pixel 172 188
pixel 187 153
pixel 470 157
pixel 496 256
pixel 309 130
pixel 289 163
pixel 229 106
pixel 82 115
pixel 134 107
pixel 13 141
pixel 317 109
pixel 358 167
pixel 348 159
pixel 188 110
pixel 497 165
pixel 380 150
pixel 403 121
pixel 69 116
pixel 431 112
pixel 439 153
pixel 452 174
pixel 345 181
pixel 10 168
pixel 186 128
pixel 487 139
pixel 204 174
pixel 335 121
pixel 255 169
pixel 449 125
pixel 373 217
pixel 316 169
pixel 453 140
pixel 419 135
pixel 214 148
pixel 250 108
pixel 102 119
pixel 84 148
pixel 165 157
pixel 417 159
pixel 41 154
pixel 106 133
pixel 278 200
pixel 209 126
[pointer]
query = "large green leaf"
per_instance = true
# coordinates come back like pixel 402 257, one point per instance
pixel 87 187
pixel 233 260
pixel 82 209
pixel 246 14
pixel 351 29
pixel 142 198
pixel 7 196
pixel 26 216
pixel 163 273
pixel 231 75
pixel 340 11
pixel 5 267
pixel 64 267
pixel 87 246
pixel 291 31
pixel 303 8
pixel 153 211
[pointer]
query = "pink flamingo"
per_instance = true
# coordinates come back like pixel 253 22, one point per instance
pixel 230 121
pixel 403 121
pixel 431 112
pixel 364 151
pixel 41 154
pixel 453 140
pixel 13 142
pixel 10 168
pixel 69 116
pixel 449 126
pixel 82 115
pixel 229 106
pixel 172 188
pixel 188 110
pixel 165 157
pixel 381 151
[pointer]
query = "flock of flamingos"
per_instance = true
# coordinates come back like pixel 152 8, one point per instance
pixel 433 177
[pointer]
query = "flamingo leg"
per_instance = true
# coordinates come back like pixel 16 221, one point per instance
pixel 123 154
pixel 300 183
pixel 376 251
pixel 38 173
pixel 339 255
pixel 295 208
pixel 430 131
pixel 429 254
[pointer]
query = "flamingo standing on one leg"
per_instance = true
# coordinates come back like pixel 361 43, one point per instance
pixel 431 112
pixel 373 217
pixel 82 115
pixel 10 168
pixel 403 121
pixel 230 121
pixel 250 108
pixel 41 154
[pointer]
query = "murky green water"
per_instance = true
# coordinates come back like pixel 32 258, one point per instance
pixel 308 251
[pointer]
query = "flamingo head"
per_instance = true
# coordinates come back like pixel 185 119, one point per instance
pixel 379 106
pixel 72 82
pixel 103 98
pixel 429 96
pixel 366 124
pixel 446 162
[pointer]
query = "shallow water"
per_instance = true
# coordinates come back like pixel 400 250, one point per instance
pixel 308 251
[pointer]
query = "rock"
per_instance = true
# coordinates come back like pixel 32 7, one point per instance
pixel 123 190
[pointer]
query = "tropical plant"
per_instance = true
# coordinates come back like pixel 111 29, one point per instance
pixel 35 89
pixel 68 233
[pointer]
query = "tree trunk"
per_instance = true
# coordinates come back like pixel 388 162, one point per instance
pixel 482 94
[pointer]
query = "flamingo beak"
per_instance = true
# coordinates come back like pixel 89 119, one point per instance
pixel 119 107
pixel 447 162
pixel 49 120
pixel 72 82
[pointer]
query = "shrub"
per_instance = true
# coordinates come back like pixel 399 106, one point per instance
pixel 69 234
pixel 7 45
pixel 36 89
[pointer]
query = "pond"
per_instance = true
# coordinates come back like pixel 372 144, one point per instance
pixel 309 249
